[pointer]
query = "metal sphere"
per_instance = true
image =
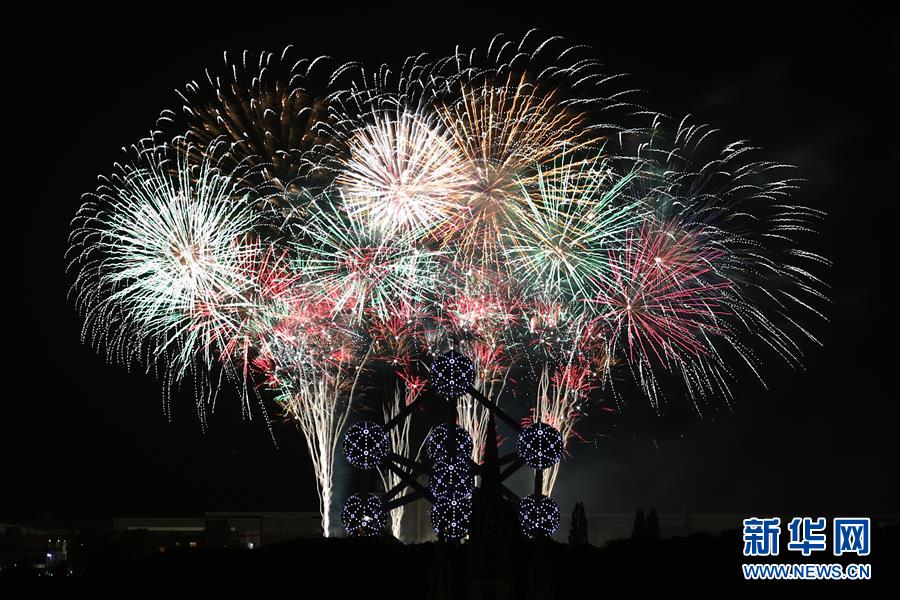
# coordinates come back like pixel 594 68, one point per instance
pixel 450 517
pixel 540 446
pixel 539 515
pixel 366 445
pixel 363 515
pixel 452 479
pixel 452 375
pixel 448 439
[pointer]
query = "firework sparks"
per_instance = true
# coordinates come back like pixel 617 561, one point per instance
pixel 162 247
pixel 267 111
pixel 403 174
pixel 364 271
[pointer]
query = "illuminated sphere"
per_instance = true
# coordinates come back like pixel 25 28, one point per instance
pixel 366 445
pixel 363 515
pixel 450 517
pixel 452 479
pixel 440 447
pixel 539 515
pixel 452 374
pixel 540 446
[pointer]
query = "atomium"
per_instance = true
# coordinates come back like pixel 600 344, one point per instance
pixel 452 375
pixel 539 515
pixel 363 515
pixel 450 517
pixel 452 479
pixel 540 446
pixel 439 445
pixel 366 445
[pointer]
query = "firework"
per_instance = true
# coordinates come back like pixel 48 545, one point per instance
pixel 160 249
pixel 403 173
pixel 264 110
pixel 323 224
pixel 561 233
pixel 510 110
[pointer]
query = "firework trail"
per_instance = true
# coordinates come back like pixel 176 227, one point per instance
pixel 406 390
pixel 396 346
pixel 560 402
pixel 314 361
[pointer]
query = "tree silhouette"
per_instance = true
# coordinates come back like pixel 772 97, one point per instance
pixel 637 532
pixel 578 534
pixel 651 528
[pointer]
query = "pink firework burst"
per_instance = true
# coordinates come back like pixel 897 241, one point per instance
pixel 666 296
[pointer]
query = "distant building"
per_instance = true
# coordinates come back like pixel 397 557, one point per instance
pixel 36 548
pixel 226 529
pixel 255 529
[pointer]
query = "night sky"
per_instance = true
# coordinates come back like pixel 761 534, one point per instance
pixel 84 440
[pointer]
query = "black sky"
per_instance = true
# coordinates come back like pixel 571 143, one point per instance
pixel 85 440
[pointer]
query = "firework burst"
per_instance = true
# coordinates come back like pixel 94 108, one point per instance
pixel 561 232
pixel 264 110
pixel 160 250
pixel 403 174
pixel 665 296
pixel 512 109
